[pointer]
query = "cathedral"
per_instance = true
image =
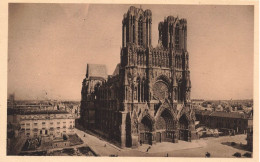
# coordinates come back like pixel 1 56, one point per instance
pixel 147 98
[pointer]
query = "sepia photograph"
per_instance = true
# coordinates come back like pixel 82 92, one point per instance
pixel 131 80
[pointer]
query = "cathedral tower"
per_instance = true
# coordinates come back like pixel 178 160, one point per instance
pixel 136 28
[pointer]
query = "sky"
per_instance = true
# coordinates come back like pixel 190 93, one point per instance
pixel 49 46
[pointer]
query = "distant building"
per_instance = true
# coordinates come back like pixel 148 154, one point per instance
pixel 219 108
pixel 74 110
pixel 249 137
pixel 197 102
pixel 46 123
pixel 235 121
pixel 202 116
pixel 11 101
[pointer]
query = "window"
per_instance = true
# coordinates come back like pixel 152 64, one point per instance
pixel 51 123
pixel 58 122
pixel 43 122
pixel 27 124
pixel 177 36
pixel 35 124
pixel 140 31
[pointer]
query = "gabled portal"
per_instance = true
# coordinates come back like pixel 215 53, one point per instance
pixel 184 128
pixel 145 129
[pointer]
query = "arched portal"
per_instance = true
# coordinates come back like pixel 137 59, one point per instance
pixel 184 128
pixel 145 129
pixel 165 127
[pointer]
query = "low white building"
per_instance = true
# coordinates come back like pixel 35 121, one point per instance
pixel 47 123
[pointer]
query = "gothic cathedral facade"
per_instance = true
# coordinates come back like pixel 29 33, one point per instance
pixel 147 99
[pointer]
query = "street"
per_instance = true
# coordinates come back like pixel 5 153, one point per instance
pixel 217 147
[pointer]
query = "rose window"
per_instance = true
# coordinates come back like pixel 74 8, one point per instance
pixel 160 90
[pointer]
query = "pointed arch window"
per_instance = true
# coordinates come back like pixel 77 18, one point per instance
pixel 177 37
pixel 139 89
pixel 140 31
pixel 133 25
pixel 171 36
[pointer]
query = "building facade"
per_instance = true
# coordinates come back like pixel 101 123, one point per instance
pixel 147 99
pixel 224 121
pixel 47 123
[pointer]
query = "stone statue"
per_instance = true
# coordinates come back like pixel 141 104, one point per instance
pixel 135 125
pixel 187 95
pixel 173 96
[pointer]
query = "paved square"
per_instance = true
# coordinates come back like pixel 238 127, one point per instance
pixel 217 147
